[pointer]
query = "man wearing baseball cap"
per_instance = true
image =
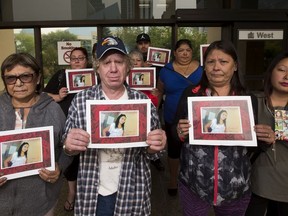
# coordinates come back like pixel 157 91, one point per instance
pixel 114 180
pixel 142 44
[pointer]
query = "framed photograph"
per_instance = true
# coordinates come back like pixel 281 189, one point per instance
pixel 203 48
pixel 118 123
pixel 24 152
pixel 221 120
pixel 142 78
pixel 158 56
pixel 79 79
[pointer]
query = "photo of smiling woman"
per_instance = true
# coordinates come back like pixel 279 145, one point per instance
pixel 218 124
pixel 19 157
pixel 116 129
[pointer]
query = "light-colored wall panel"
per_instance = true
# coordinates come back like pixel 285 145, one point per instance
pixel 7 47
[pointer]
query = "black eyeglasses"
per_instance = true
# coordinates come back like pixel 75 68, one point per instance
pixel 74 59
pixel 24 78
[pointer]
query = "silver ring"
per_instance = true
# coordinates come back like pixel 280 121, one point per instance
pixel 49 180
pixel 180 131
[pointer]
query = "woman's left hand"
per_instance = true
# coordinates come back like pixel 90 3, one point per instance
pixel 50 176
pixel 265 133
pixel 156 140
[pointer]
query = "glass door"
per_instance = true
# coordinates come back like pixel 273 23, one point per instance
pixel 257 46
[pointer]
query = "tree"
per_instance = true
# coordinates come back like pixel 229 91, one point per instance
pixel 25 43
pixel 49 51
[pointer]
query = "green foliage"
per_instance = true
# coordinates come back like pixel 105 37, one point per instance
pixel 160 36
pixel 25 43
pixel 197 36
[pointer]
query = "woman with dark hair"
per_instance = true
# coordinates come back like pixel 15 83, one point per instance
pixel 57 87
pixel 217 125
pixel 116 129
pixel 174 77
pixel 19 157
pixel 213 176
pixel 23 105
pixel 269 178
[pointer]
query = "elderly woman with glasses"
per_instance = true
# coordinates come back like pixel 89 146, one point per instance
pixel 23 105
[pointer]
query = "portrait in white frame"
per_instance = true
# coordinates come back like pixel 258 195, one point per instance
pixel 142 78
pixel 203 48
pixel 222 120
pixel 79 79
pixel 158 56
pixel 103 116
pixel 39 144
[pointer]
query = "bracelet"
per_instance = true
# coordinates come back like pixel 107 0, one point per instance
pixel 68 154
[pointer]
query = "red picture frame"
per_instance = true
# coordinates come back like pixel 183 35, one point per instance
pixel 142 78
pixel 80 79
pixel 158 56
pixel 137 123
pixel 203 48
pixel 239 124
pixel 40 151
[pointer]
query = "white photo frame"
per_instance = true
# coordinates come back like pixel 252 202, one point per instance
pixel 203 48
pixel 101 113
pixel 158 56
pixel 80 79
pixel 239 126
pixel 40 152
pixel 142 78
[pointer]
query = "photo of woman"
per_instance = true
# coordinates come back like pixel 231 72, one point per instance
pixel 19 157
pixel 116 129
pixel 138 79
pixel 218 124
pixel 79 81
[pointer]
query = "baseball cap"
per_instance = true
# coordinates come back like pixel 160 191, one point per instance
pixel 143 37
pixel 109 43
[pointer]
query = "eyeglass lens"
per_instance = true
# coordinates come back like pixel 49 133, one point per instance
pixel 24 78
pixel 73 59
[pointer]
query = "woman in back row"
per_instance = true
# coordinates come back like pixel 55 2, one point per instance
pixel 173 79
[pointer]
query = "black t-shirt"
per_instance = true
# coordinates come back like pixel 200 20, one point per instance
pixel 57 81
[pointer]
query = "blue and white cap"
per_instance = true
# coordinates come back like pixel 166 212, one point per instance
pixel 110 43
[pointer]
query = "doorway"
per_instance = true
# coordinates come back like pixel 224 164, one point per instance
pixel 257 45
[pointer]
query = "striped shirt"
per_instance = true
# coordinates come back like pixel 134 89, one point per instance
pixel 134 190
